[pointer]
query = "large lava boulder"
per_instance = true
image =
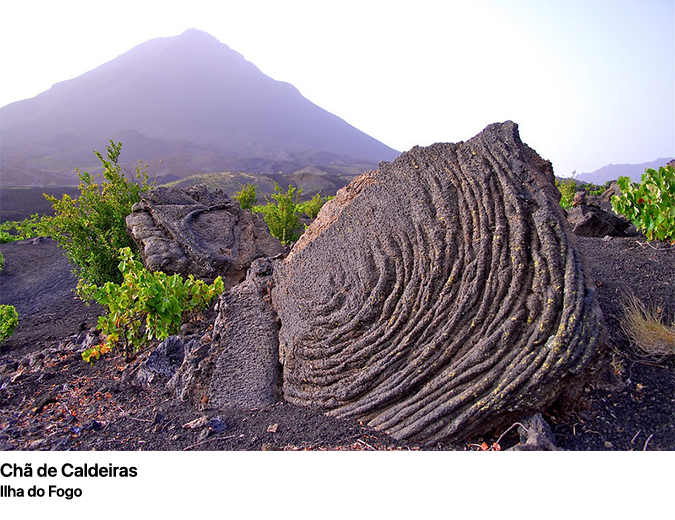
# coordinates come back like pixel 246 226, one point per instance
pixel 591 221
pixel 440 296
pixel 200 232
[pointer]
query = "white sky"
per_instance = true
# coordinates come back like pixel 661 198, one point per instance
pixel 590 82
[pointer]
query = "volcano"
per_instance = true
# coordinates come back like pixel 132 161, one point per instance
pixel 189 101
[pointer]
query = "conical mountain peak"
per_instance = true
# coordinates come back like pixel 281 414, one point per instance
pixel 189 89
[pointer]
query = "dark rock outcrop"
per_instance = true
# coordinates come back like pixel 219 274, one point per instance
pixel 535 435
pixel 591 221
pixel 194 231
pixel 162 363
pixel 592 216
pixel 237 365
pixel 439 296
pixel 582 198
pixel 606 197
pixel 167 358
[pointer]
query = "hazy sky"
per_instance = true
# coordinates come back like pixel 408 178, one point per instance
pixel 590 82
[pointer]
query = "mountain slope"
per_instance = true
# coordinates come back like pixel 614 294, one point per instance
pixel 200 105
pixel 614 171
pixel 309 182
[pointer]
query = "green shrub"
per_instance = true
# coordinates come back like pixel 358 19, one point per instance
pixel 283 217
pixel 145 306
pixel 650 205
pixel 247 196
pixel 92 228
pixel 31 227
pixel 312 207
pixel 2 261
pixel 9 319
pixel 567 189
pixel 594 190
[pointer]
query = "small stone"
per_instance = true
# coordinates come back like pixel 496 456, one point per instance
pixel 217 424
pixel 273 428
pixel 93 426
pixel 608 445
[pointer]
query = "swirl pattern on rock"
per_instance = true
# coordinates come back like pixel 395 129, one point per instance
pixel 439 296
pixel 195 231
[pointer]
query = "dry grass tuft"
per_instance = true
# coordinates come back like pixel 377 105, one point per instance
pixel 646 329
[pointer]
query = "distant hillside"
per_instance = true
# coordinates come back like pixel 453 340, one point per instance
pixel 614 171
pixel 310 181
pixel 189 101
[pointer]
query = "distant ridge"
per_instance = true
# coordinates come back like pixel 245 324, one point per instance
pixel 188 100
pixel 614 171
pixel 307 180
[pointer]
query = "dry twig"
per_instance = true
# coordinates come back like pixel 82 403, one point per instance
pixel 647 442
pixel 509 429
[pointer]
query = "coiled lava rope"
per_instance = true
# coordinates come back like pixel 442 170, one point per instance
pixel 438 296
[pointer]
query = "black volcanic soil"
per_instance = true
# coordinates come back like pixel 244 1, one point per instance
pixel 19 203
pixel 51 400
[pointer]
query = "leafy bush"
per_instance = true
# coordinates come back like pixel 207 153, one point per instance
pixel 312 207
pixel 92 228
pixel 649 205
pixel 283 217
pixel 246 196
pixel 145 306
pixel 12 230
pixel 593 189
pixel 567 189
pixel 9 319
pixel 570 186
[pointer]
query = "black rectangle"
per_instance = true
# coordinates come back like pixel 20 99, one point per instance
pixel 69 481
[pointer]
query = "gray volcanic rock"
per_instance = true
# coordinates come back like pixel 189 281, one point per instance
pixel 237 365
pixel 606 197
pixel 591 221
pixel 440 296
pixel 198 232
